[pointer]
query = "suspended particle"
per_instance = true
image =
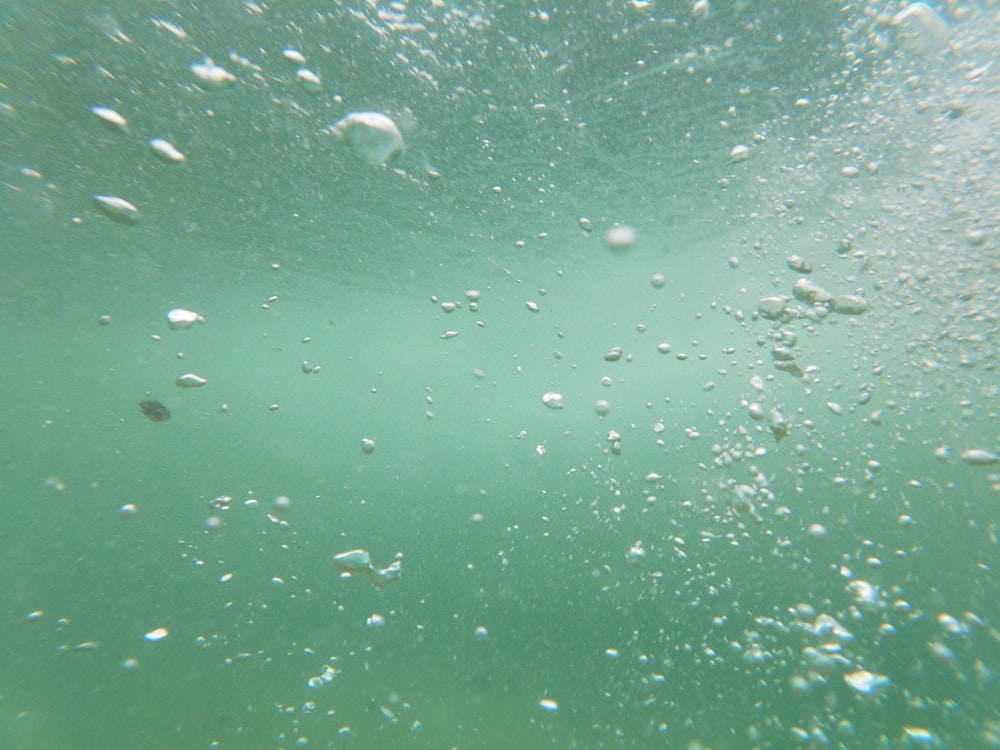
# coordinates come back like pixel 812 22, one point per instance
pixel 154 411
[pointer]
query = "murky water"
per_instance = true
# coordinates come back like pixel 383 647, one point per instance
pixel 726 477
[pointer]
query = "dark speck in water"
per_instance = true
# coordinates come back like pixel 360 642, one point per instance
pixel 154 411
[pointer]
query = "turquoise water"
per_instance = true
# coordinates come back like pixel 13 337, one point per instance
pixel 765 515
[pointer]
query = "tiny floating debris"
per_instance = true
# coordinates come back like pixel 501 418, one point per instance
pixel 190 380
pixel 360 561
pixel 154 411
pixel 372 136
pixel 211 76
pixel 117 208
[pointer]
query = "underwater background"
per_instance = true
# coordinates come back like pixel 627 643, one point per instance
pixel 638 359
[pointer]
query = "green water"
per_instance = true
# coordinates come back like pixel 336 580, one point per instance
pixel 667 570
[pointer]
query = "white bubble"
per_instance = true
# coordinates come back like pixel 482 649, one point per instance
pixel 739 153
pixel 156 635
pixel 372 136
pixel 117 208
pixel 553 400
pixel 867 683
pixel 166 151
pixel 212 76
pixel 213 524
pixel 309 81
pixel 190 380
pixel 353 561
pixel 620 238
pixel 548 705
pixel 111 117
pixel 281 503
pixel 180 318
pixel 980 457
